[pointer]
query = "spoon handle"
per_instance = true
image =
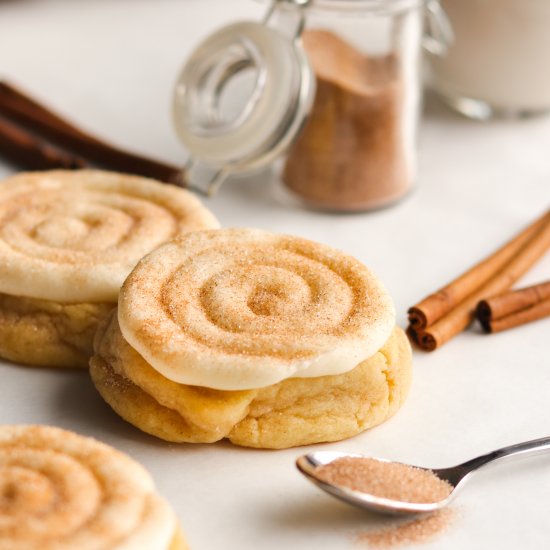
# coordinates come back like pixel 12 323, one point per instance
pixel 527 448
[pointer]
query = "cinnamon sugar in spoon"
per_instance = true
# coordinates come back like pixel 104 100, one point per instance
pixel 395 488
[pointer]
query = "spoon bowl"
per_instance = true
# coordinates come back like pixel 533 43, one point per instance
pixel 455 476
pixel 308 464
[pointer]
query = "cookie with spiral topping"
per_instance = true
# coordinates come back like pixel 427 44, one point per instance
pixel 268 340
pixel 68 239
pixel 63 491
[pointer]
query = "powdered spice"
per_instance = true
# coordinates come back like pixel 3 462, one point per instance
pixel 393 481
pixel 352 153
pixel 401 533
pixel 389 480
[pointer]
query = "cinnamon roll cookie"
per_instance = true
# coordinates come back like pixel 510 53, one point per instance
pixel 68 239
pixel 268 340
pixel 63 491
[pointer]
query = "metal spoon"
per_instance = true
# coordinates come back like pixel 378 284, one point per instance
pixel 456 476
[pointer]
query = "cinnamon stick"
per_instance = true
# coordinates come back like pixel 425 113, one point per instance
pixel 533 313
pixel 459 314
pixel 31 152
pixel 436 305
pixel 38 119
pixel 21 106
pixel 513 308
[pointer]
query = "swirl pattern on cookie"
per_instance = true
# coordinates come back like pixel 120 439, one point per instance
pixel 74 236
pixel 62 491
pixel 242 308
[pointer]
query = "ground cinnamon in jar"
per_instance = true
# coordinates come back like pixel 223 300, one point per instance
pixel 390 480
pixel 352 153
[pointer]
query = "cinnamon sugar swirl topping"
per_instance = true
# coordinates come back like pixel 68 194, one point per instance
pixel 242 308
pixel 75 235
pixel 62 491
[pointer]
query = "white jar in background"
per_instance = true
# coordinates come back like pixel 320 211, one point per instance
pixel 499 62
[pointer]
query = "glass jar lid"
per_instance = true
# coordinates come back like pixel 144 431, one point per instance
pixel 242 96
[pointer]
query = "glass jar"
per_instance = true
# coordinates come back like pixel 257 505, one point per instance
pixel 499 61
pixel 358 148
pixel 330 89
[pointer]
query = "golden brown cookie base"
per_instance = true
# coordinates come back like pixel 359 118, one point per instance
pixel 50 334
pixel 297 411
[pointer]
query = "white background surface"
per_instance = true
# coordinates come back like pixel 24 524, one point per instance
pixel 110 65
